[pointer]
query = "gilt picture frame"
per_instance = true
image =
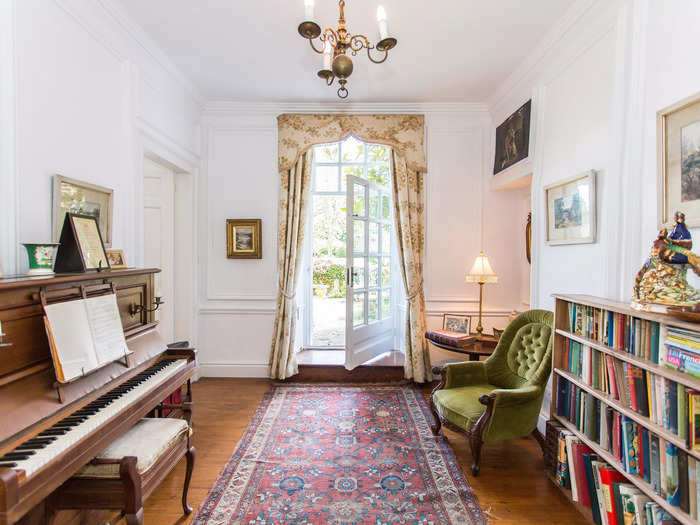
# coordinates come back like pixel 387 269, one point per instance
pixel 116 259
pixel 571 210
pixel 678 161
pixel 244 238
pixel 82 198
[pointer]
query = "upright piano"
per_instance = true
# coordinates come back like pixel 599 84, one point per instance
pixel 47 431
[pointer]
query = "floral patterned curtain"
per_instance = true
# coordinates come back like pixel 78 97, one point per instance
pixel 297 134
pixel 409 208
pixel 295 186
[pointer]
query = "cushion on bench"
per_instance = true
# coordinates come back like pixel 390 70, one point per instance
pixel 148 440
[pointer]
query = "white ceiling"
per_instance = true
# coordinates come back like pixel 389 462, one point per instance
pixel 249 50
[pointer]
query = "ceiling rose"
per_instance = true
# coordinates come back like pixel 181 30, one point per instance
pixel 336 42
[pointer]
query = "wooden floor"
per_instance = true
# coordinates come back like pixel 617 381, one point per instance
pixel 511 485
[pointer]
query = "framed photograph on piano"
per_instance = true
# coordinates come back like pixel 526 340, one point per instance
pixel 81 247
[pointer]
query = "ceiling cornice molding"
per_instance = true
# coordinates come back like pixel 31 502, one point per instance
pixel 537 56
pixel 227 108
pixel 119 14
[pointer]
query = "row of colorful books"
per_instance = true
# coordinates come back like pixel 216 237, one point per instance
pixel 613 500
pixel 664 401
pixel 682 351
pixel 635 336
pixel 669 469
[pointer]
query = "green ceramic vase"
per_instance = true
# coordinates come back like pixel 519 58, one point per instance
pixel 41 257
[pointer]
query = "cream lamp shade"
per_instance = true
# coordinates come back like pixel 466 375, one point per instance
pixel 481 271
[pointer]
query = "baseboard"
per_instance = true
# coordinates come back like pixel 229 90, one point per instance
pixel 232 369
pixel 542 423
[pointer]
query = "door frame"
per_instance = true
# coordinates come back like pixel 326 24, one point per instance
pixel 155 146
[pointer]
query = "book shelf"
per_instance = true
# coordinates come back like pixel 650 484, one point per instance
pixel 563 337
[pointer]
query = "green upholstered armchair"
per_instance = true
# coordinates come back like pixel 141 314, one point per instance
pixel 499 398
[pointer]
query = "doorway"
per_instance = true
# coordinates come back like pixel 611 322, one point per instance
pixel 350 274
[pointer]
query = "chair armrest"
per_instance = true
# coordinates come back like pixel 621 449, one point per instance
pixel 461 374
pixel 505 397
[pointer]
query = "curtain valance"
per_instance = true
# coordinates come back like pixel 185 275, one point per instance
pixel 298 132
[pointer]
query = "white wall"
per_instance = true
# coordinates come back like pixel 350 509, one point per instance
pixel 240 180
pixel 81 87
pixel 597 80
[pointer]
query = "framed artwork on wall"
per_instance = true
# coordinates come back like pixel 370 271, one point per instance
pixel 456 323
pixel 81 246
pixel 513 138
pixel 571 210
pixel 82 198
pixel 678 157
pixel 244 238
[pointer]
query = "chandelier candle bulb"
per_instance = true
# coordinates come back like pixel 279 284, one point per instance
pixel 383 26
pixel 327 55
pixel 309 9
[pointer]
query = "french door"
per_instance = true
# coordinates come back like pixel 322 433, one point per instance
pixel 369 323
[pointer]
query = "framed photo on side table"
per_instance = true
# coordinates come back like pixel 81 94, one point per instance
pixel 678 157
pixel 244 238
pixel 82 198
pixel 456 323
pixel 571 210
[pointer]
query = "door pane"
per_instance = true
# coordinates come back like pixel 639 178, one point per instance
pixel 386 271
pixel 358 267
pixel 373 307
pixel 373 237
pixel 373 271
pixel 373 203
pixel 386 207
pixel 386 303
pixel 353 150
pixel 326 178
pixel 359 234
pixel 360 205
pixel 386 238
pixel 358 309
pixel 326 153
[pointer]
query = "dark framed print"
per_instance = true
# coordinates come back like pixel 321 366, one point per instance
pixel 244 238
pixel 81 246
pixel 513 138
pixel 678 157
pixel 456 323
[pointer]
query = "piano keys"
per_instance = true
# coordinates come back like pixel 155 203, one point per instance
pixel 43 441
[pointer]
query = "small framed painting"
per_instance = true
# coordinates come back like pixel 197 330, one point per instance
pixel 82 198
pixel 678 156
pixel 244 238
pixel 456 323
pixel 513 138
pixel 116 259
pixel 571 210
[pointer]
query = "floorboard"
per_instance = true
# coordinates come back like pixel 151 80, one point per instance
pixel 511 485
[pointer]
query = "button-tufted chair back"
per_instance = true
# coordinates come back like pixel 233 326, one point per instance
pixel 524 352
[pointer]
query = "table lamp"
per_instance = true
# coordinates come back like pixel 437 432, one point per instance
pixel 481 273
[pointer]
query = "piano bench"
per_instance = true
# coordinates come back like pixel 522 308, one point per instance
pixel 124 474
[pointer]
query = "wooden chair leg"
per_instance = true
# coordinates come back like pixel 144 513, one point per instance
pixel 475 442
pixel 442 371
pixel 133 507
pixel 188 476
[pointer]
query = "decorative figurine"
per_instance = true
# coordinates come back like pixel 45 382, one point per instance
pixel 662 280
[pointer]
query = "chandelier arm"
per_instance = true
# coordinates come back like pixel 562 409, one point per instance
pixel 379 61
pixel 330 35
pixel 357 42
pixel 319 51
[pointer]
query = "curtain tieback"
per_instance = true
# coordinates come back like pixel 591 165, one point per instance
pixel 416 292
pixel 286 294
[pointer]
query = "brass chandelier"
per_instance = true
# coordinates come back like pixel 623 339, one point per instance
pixel 336 42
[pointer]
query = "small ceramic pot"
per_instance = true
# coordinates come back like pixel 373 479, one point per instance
pixel 42 256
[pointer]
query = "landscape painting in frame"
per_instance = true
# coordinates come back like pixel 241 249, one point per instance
pixel 243 239
pixel 513 139
pixel 571 210
pixel 456 323
pixel 678 147
pixel 82 198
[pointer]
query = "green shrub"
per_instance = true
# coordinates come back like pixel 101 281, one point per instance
pixel 325 273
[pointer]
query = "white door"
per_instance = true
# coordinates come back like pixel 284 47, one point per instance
pixel 159 243
pixel 369 330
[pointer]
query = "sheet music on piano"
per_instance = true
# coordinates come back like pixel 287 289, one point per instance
pixel 84 335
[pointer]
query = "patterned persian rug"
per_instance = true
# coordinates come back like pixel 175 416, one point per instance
pixel 343 455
